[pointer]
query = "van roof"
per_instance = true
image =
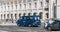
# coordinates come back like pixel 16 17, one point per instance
pixel 29 16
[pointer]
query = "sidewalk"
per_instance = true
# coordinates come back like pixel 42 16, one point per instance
pixel 8 24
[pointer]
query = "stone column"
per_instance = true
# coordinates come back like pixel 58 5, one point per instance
pixel 58 9
pixel 13 18
pixel 43 10
pixel 51 13
pixel 50 8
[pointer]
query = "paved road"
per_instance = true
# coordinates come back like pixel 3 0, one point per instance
pixel 8 28
pixel 23 29
pixel 16 28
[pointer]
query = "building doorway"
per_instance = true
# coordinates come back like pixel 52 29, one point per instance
pixel 34 14
pixel 41 15
pixel 12 18
pixel 15 16
pixel 19 15
pixel 47 15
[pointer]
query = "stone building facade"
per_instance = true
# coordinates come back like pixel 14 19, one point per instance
pixel 13 9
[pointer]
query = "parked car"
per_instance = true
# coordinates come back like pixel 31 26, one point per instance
pixel 55 25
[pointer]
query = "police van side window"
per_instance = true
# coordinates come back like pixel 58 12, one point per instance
pixel 37 18
pixel 29 18
pixel 24 18
pixel 20 18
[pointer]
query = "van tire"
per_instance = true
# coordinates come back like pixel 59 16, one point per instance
pixel 49 28
pixel 29 25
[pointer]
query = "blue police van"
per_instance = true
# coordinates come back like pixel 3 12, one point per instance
pixel 29 21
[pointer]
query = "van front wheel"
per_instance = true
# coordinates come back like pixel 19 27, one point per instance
pixel 49 28
pixel 30 25
pixel 35 25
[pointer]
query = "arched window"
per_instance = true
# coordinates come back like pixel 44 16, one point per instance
pixel 20 6
pixel 11 16
pixel 12 6
pixel 1 16
pixel 16 6
pixel 4 16
pixel 34 14
pixel 35 5
pixel 40 14
pixel 29 5
pixel 8 16
pixel 25 6
pixel 15 16
pixel 41 4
